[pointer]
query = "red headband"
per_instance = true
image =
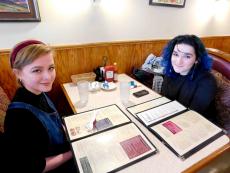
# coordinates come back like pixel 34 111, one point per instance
pixel 20 46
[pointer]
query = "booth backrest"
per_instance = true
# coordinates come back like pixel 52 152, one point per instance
pixel 4 102
pixel 221 71
pixel 222 66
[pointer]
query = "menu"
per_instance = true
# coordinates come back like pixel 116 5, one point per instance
pixel 112 150
pixel 182 130
pixel 147 105
pixel 154 115
pixel 187 133
pixel 94 121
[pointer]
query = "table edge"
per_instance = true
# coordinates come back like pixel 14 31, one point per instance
pixel 68 99
pixel 197 166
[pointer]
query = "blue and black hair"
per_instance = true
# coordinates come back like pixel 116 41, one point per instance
pixel 203 59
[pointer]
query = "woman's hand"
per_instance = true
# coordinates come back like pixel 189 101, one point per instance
pixel 55 161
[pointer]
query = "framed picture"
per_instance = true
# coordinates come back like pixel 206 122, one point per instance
pixel 171 3
pixel 19 10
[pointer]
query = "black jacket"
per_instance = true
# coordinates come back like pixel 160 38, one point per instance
pixel 197 93
pixel 27 138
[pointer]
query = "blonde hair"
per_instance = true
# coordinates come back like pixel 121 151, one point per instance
pixel 30 53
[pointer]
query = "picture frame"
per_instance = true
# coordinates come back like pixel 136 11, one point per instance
pixel 170 3
pixel 19 10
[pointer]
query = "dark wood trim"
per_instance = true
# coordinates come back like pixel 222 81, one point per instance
pixel 204 162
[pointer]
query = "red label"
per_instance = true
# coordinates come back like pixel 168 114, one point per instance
pixel 135 146
pixel 172 127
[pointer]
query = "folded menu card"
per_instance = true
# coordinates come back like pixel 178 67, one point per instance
pixel 187 133
pixel 182 130
pixel 94 121
pixel 147 105
pixel 112 150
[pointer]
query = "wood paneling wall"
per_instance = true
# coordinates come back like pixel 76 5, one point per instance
pixel 75 59
pixel 221 43
pixel 79 59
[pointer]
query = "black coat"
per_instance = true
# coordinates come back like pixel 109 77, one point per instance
pixel 197 94
pixel 28 140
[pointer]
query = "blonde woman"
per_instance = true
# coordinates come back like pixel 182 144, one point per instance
pixel 32 125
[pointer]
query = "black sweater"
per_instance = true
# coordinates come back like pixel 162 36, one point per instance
pixel 28 139
pixel 197 94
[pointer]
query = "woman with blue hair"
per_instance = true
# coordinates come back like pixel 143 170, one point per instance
pixel 187 75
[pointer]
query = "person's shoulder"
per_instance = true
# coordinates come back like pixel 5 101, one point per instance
pixel 20 94
pixel 207 79
pixel 205 75
pixel 18 115
pixel 25 96
pixel 19 119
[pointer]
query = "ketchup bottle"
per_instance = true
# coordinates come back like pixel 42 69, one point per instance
pixel 109 73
